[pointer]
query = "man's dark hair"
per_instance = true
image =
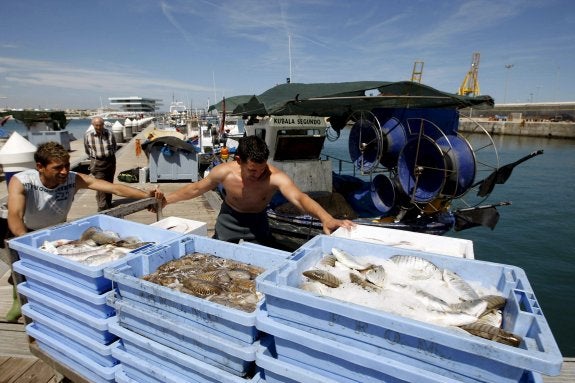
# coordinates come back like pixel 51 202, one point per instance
pixel 252 148
pixel 51 151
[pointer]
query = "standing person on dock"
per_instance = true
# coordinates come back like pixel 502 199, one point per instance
pixel 249 184
pixel 42 197
pixel 100 146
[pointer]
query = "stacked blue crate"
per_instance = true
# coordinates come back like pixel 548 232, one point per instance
pixel 299 319
pixel 191 328
pixel 67 300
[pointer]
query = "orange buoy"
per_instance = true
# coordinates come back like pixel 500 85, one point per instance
pixel 224 153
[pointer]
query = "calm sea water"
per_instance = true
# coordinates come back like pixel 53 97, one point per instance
pixel 534 232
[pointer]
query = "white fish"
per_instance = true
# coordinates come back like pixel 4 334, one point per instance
pixel 376 275
pixel 348 260
pixel 454 281
pixel 417 267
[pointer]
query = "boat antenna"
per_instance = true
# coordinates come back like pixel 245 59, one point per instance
pixel 289 55
pixel 214 81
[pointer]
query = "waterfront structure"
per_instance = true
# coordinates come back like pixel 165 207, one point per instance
pixel 135 104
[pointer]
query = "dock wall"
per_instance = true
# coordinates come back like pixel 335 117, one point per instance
pixel 565 130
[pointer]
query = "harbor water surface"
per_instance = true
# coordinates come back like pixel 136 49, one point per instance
pixel 534 233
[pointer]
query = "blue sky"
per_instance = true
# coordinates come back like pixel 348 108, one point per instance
pixel 64 54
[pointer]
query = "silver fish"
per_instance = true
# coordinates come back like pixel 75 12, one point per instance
pixel 492 317
pixel 458 284
pixel 494 301
pixel 348 260
pixel 364 283
pixel 474 307
pixel 417 267
pixel 376 275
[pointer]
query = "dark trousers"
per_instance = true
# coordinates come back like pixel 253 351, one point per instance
pixel 104 170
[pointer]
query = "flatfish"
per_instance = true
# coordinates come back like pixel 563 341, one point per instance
pixel 323 276
pixel 201 288
pixel 363 282
pixel 376 275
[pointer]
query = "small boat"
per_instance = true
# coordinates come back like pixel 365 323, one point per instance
pixel 409 169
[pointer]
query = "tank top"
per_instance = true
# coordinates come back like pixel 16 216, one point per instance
pixel 46 207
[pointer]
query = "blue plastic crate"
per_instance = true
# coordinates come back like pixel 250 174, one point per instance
pixel 66 293
pixel 99 353
pixel 277 371
pixel 88 325
pixel 154 357
pixel 345 363
pixel 209 316
pixel 379 332
pixel 229 355
pixel 67 356
pixel 88 277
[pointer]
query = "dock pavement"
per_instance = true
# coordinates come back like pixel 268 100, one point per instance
pixel 18 357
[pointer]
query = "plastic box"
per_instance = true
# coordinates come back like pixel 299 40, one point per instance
pixel 66 355
pixel 183 226
pixel 88 325
pixel 403 239
pixel 379 332
pixel 66 293
pixel 63 137
pixel 87 277
pixel 170 165
pixel 154 359
pixel 80 343
pixel 209 316
pixel 232 356
pixel 278 371
pixel 345 363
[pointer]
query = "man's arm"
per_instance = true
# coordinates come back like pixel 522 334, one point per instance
pixel 84 181
pixel 196 189
pixel 306 204
pixel 16 207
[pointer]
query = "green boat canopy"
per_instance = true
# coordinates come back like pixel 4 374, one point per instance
pixel 340 100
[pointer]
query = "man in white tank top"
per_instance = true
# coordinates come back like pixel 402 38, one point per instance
pixel 42 197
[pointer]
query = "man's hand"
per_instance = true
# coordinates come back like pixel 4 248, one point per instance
pixel 332 224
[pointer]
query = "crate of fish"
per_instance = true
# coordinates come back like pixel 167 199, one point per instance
pixel 150 361
pixel 344 363
pixel 66 355
pixel 209 284
pixel 474 318
pixel 233 356
pixel 93 327
pixel 79 342
pixel 67 294
pixel 79 250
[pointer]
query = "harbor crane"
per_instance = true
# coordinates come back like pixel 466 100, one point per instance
pixel 417 71
pixel 470 84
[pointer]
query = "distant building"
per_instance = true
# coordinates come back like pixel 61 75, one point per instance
pixel 136 104
pixel 535 111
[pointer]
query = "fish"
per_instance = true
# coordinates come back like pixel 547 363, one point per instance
pixel 493 333
pixel 416 267
pixel 376 275
pixel 200 287
pixel 348 260
pixel 364 283
pixel 491 317
pixel 328 260
pixel 495 301
pixel 464 289
pixel 323 276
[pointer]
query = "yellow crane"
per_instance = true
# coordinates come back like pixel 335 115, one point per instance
pixel 417 71
pixel 470 84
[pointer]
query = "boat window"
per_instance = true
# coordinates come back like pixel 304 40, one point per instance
pixel 261 133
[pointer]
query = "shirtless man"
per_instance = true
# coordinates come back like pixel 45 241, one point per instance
pixel 249 183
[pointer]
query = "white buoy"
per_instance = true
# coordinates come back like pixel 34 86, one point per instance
pixel 118 131
pixel 17 155
pixel 128 129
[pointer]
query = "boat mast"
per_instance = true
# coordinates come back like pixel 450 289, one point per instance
pixel 289 55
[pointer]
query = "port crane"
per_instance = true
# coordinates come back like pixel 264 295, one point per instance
pixel 470 84
pixel 417 71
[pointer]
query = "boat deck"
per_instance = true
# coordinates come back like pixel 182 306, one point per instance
pixel 21 360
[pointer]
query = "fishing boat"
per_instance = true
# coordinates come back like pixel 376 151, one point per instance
pixel 410 168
